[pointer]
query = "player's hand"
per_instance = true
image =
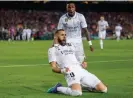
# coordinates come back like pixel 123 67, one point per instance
pixel 91 48
pixel 65 70
pixel 84 64
pixel 55 41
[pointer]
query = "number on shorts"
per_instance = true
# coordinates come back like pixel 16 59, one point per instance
pixel 72 74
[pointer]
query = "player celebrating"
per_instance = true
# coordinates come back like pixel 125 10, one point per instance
pixel 102 26
pixel 118 29
pixel 27 33
pixel 73 23
pixel 63 54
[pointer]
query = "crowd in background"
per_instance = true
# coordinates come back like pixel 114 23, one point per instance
pixel 44 23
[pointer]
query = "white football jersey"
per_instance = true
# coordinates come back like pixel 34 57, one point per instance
pixel 28 30
pixel 118 29
pixel 63 55
pixel 102 25
pixel 72 25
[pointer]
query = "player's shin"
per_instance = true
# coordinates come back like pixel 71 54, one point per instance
pixel 69 91
pixel 100 87
pixel 101 43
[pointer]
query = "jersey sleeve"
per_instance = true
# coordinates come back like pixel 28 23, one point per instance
pixel 107 24
pixel 83 21
pixel 60 24
pixel 51 55
pixel 121 28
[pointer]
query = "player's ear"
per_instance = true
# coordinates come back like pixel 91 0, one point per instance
pixel 67 6
pixel 56 36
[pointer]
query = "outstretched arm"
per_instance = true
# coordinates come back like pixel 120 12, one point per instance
pixel 85 30
pixel 87 34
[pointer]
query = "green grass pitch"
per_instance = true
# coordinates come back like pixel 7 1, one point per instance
pixel 25 72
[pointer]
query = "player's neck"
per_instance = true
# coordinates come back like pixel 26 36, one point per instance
pixel 56 42
pixel 71 15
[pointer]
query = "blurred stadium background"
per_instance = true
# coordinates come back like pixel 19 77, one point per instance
pixel 24 68
pixel 42 17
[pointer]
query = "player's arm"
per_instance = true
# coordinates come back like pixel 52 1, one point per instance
pixel 121 29
pixel 58 70
pixel 54 67
pixel 52 61
pixel 85 30
pixel 87 34
pixel 97 29
pixel 60 24
pixel 107 25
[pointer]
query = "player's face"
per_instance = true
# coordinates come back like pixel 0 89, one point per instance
pixel 102 18
pixel 62 37
pixel 71 9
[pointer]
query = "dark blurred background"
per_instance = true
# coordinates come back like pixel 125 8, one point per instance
pixel 42 17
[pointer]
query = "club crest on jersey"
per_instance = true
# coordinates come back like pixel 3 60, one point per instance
pixel 66 19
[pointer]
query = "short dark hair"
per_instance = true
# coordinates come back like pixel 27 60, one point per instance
pixel 71 2
pixel 57 31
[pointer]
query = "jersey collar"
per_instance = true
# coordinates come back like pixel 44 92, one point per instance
pixel 73 16
pixel 102 21
pixel 55 45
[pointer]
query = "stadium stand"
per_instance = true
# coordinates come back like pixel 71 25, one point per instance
pixel 44 22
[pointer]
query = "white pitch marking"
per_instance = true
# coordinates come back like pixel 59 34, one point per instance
pixel 110 61
pixel 30 65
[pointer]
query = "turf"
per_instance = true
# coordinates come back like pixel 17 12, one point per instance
pixel 25 73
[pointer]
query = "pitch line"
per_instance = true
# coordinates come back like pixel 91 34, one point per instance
pixel 31 65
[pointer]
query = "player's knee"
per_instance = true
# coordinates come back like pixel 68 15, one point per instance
pixel 104 90
pixel 76 93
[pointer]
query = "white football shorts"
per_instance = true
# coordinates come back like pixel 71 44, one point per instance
pixel 118 34
pixel 81 76
pixel 102 34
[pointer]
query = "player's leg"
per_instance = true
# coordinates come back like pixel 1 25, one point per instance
pixel 28 36
pixel 118 36
pixel 100 87
pixel 80 55
pixel 18 37
pixel 73 89
pixel 9 37
pixel 101 39
pixel 92 83
pixel 104 34
pixel 12 37
pixel 24 36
